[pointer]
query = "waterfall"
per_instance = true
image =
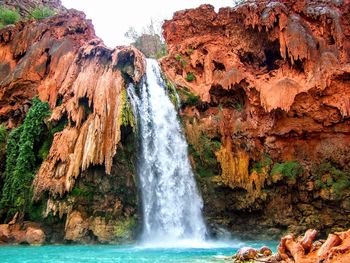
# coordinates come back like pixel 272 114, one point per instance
pixel 171 204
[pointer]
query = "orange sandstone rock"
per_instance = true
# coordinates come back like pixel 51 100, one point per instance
pixel 61 61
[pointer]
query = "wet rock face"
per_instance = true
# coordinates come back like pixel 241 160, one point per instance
pixel 89 169
pixel 265 92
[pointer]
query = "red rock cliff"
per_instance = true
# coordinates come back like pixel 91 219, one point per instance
pixel 60 60
pixel 271 120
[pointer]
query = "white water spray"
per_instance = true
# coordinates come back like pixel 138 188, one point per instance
pixel 170 201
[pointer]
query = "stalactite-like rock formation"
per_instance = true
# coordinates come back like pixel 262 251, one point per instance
pixel 265 90
pixel 61 61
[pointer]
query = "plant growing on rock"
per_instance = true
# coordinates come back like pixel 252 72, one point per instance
pixel 190 76
pixel 288 170
pixel 329 176
pixel 172 94
pixel 42 12
pixel 265 163
pixel 21 161
pixel 182 61
pixel 124 228
pixel 127 117
pixel 204 155
pixel 3 134
pixel 8 17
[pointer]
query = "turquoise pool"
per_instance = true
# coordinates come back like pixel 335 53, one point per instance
pixel 213 252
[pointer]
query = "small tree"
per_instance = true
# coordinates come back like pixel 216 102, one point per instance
pixel 131 34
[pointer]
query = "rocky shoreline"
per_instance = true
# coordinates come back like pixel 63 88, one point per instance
pixel 302 249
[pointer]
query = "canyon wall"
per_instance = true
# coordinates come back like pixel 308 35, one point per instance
pixel 76 175
pixel 265 91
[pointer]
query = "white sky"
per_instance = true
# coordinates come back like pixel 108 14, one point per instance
pixel 112 18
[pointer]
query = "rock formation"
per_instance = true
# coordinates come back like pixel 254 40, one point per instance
pixel 304 249
pixel 26 6
pixel 265 89
pixel 60 60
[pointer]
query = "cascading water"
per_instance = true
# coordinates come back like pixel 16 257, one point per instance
pixel 170 201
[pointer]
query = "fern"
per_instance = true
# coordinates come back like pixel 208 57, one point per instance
pixel 21 160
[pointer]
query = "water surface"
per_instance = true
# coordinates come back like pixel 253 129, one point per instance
pixel 125 253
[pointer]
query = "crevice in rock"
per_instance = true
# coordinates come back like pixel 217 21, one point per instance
pixel 272 55
pixel 219 66
pixel 234 97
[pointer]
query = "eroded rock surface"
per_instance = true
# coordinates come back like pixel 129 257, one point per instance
pixel 304 249
pixel 26 233
pixel 89 169
pixel 265 90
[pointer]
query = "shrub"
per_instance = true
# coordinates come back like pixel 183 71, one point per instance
pixel 190 77
pixel 21 160
pixel 289 170
pixel 204 155
pixel 336 179
pixel 42 12
pixel 8 16
pixel 265 162
pixel 188 98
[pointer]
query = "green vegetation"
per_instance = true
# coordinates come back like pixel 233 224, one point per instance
pixel 21 161
pixel 265 162
pixel 127 117
pixel 328 176
pixel 190 51
pixel 204 155
pixel 3 135
pixel 85 191
pixel 123 229
pixel 163 52
pixel 182 61
pixel 188 98
pixel 190 76
pixel 46 145
pixel 238 106
pixel 8 17
pixel 42 12
pixel 288 170
pixel 171 92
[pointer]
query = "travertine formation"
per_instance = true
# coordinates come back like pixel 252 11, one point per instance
pixel 60 60
pixel 273 86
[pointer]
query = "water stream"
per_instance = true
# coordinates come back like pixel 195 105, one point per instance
pixel 173 226
pixel 171 204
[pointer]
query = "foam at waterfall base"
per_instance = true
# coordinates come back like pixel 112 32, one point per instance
pixel 190 243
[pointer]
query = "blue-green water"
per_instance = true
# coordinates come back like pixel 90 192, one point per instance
pixel 109 253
